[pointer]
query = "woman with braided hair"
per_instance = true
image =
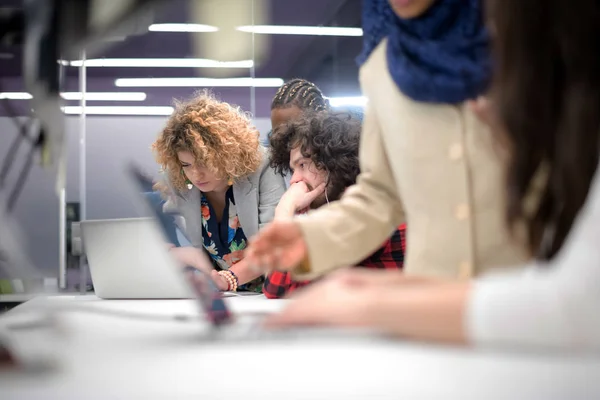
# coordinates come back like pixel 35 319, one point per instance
pixel 292 99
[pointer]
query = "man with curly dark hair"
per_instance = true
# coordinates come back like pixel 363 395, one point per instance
pixel 320 150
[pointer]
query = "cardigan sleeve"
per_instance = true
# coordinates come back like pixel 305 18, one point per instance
pixel 336 235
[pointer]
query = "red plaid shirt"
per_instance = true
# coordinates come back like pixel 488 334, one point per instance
pixel 390 256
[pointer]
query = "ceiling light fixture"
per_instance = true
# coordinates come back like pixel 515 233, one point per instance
pixel 182 28
pixel 159 63
pixel 90 96
pixel 301 30
pixel 105 96
pixel 99 110
pixel 199 82
pixel 357 101
pixel 15 96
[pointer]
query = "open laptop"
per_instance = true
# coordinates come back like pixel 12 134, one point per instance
pixel 128 259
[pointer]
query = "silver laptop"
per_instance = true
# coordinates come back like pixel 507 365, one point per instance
pixel 127 261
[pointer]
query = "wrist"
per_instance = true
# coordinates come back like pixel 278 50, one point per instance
pixel 244 272
pixel 200 262
pixel 285 210
pixel 231 279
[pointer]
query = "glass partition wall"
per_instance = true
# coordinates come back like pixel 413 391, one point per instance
pixel 117 100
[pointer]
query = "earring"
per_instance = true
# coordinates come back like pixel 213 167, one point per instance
pixel 230 181
pixel 187 182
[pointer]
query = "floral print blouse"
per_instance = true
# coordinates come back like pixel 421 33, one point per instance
pixel 225 240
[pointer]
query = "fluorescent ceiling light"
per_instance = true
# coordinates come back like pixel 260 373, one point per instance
pixel 159 63
pixel 182 28
pixel 301 30
pixel 105 96
pixel 91 96
pixel 199 82
pixel 347 101
pixel 16 96
pixel 98 110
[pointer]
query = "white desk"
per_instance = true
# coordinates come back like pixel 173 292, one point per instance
pixel 120 358
pixel 22 297
pixel 15 298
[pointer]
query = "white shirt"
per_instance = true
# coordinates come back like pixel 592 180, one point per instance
pixel 557 304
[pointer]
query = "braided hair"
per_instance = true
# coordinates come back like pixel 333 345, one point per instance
pixel 300 93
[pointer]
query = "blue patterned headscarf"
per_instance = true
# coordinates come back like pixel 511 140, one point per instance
pixel 439 57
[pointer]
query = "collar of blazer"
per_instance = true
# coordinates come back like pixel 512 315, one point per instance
pixel 246 200
pixel 243 186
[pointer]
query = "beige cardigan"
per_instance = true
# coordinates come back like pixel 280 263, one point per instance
pixel 432 166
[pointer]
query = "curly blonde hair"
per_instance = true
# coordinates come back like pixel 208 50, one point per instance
pixel 219 135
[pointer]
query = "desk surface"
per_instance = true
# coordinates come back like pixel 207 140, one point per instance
pixel 106 356
pixel 15 298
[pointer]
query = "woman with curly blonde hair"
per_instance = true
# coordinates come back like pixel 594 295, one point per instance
pixel 220 182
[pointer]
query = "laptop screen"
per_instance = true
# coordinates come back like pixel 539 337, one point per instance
pixel 210 298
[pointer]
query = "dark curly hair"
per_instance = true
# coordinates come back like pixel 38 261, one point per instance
pixel 300 93
pixel 329 139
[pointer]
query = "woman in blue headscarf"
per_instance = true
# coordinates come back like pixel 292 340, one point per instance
pixel 426 158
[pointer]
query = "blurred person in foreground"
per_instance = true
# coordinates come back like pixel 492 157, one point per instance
pixel 425 157
pixel 548 121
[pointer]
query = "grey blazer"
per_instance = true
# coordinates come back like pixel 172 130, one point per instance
pixel 256 197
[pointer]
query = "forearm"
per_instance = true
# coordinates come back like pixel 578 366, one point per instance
pixel 347 231
pixel 192 257
pixel 392 278
pixel 244 272
pixel 284 211
pixel 432 312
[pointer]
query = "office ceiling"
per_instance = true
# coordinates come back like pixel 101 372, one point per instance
pixel 326 60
